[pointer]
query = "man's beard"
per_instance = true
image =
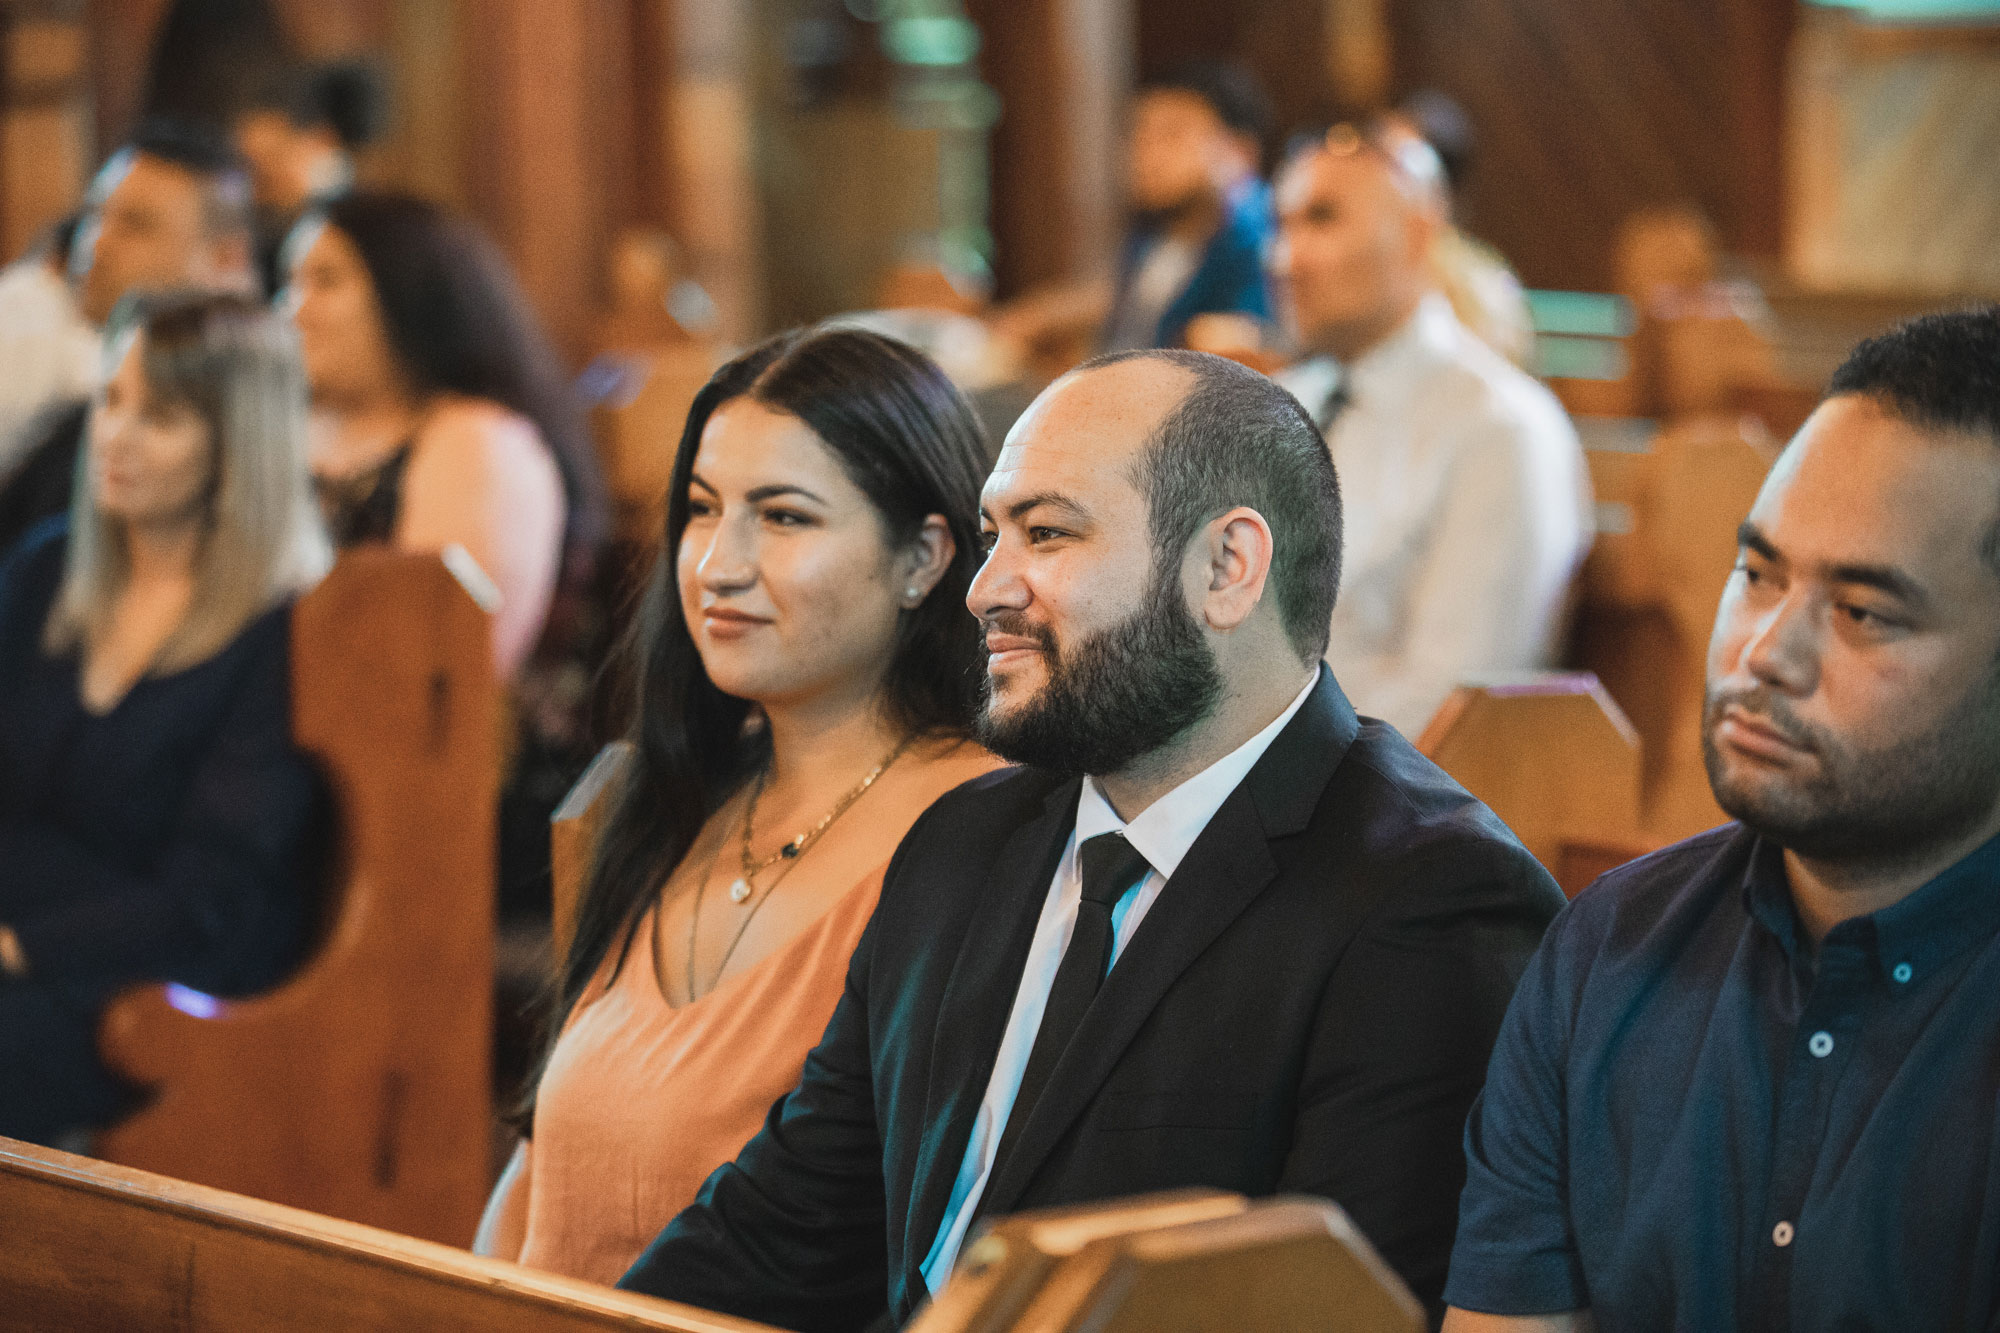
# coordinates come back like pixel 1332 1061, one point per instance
pixel 1114 697
pixel 1921 792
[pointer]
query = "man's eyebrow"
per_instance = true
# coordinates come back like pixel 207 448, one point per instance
pixel 1061 503
pixel 1751 538
pixel 1886 578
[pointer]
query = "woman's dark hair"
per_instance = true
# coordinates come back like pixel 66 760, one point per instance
pixel 911 442
pixel 458 323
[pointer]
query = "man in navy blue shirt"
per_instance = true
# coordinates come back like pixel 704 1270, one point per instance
pixel 1753 1080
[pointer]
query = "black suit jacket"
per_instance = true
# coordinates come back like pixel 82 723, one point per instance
pixel 1308 1007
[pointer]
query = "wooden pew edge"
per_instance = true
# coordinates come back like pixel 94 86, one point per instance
pixel 573 829
pixel 222 1210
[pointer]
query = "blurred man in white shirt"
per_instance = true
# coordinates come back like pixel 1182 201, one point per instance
pixel 48 350
pixel 1468 505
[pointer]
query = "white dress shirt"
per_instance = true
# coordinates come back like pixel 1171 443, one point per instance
pixel 1162 833
pixel 48 353
pixel 1467 510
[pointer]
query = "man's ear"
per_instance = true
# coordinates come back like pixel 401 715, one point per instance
pixel 1235 551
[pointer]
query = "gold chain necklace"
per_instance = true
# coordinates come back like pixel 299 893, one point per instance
pixel 790 853
pixel 745 883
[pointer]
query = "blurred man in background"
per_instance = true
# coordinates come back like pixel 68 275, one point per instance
pixel 169 209
pixel 1201 221
pixel 1468 500
pixel 49 351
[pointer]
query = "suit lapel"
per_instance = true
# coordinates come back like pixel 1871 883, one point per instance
pixel 972 1016
pixel 1222 874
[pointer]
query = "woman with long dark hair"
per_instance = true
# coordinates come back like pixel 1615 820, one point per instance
pixel 807 676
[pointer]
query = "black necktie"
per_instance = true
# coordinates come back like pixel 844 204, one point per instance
pixel 1110 866
pixel 1336 402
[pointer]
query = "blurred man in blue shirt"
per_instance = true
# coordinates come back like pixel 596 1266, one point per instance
pixel 1201 220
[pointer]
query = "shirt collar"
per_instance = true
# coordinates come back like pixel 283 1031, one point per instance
pixel 1165 830
pixel 1398 364
pixel 1957 909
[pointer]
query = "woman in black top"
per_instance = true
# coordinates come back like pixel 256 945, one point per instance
pixel 156 822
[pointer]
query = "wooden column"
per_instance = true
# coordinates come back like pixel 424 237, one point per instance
pixel 530 74
pixel 694 117
pixel 121 39
pixel 1063 70
pixel 45 147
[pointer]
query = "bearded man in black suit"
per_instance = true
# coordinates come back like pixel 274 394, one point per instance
pixel 1216 930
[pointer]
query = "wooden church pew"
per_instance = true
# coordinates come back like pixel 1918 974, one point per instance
pixel 573 835
pixel 1182 1260
pixel 91 1246
pixel 357 1088
pixel 639 431
pixel 1648 594
pixel 1553 757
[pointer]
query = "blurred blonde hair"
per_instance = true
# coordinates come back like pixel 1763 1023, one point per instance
pixel 236 365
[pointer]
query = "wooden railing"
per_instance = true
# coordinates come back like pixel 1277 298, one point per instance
pixel 90 1246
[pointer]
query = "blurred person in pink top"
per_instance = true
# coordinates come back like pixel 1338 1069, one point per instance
pixel 807 679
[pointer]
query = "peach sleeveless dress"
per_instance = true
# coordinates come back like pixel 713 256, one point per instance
pixel 641 1101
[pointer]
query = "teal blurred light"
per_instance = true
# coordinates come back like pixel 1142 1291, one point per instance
pixel 1917 11
pixel 934 40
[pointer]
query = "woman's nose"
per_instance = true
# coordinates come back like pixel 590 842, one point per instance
pixel 729 562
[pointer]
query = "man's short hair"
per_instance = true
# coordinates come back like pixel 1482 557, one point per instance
pixel 1231 91
pixel 1938 372
pixel 209 157
pixel 1238 438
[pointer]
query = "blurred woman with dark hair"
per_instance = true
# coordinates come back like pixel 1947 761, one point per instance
pixel 156 821
pixel 807 677
pixel 442 418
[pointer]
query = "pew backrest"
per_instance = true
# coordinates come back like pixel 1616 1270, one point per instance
pixel 1649 590
pixel 573 831
pixel 639 438
pixel 92 1246
pixel 360 1086
pixel 1553 756
pixel 1184 1260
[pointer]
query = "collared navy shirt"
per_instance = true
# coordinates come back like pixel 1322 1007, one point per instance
pixel 1693 1122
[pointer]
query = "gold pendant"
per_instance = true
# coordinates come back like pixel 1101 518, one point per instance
pixel 739 889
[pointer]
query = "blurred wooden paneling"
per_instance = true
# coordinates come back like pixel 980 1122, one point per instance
pixel 1292 46
pixel 1587 111
pixel 1893 161
pixel 45 148
pixel 534 70
pixel 1062 69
